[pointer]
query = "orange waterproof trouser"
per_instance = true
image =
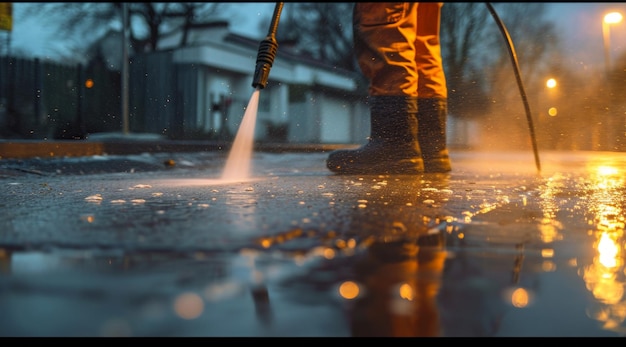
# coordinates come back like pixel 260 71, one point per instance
pixel 397 47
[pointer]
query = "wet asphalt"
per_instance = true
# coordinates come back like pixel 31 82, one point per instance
pixel 156 244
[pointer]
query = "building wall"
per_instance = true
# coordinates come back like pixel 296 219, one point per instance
pixel 335 119
pixel 323 110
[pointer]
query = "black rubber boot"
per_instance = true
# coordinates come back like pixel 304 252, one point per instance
pixel 392 147
pixel 432 114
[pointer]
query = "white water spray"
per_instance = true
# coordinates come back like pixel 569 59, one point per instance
pixel 240 155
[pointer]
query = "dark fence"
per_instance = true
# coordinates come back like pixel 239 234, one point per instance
pixel 153 95
pixel 49 100
pixel 45 100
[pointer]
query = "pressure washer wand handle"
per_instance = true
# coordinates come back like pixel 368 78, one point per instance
pixel 267 52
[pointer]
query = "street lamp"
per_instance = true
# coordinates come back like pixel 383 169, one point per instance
pixel 551 85
pixel 609 18
pixel 615 130
pixel 125 68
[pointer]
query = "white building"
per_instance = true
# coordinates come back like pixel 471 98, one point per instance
pixel 305 100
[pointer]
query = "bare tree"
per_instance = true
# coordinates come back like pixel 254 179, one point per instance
pixel 161 18
pixel 534 41
pixel 464 50
pixel 91 19
pixel 148 21
pixel 321 30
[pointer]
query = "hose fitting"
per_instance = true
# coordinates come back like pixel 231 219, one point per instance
pixel 267 51
pixel 264 61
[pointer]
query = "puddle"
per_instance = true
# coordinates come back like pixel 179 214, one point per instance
pixel 315 254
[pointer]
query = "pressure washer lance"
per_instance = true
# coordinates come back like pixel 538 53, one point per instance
pixel 267 52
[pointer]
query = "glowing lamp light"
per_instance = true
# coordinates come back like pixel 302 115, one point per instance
pixel 349 290
pixel 609 18
pixel 609 250
pixel 520 298
pixel 613 18
pixel 551 83
pixel 552 111
pixel 89 83
pixel 406 292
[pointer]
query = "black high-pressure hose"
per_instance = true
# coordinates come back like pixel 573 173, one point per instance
pixel 267 51
pixel 518 77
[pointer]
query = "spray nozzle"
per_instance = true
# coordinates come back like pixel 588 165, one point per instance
pixel 267 51
pixel 264 61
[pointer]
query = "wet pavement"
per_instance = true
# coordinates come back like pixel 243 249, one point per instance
pixel 158 245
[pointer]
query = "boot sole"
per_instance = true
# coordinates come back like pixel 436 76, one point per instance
pixel 437 165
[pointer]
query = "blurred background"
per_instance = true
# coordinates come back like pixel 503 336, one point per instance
pixel 182 71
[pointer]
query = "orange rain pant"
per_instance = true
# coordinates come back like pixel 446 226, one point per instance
pixel 397 47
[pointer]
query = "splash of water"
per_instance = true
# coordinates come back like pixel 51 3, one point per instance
pixel 238 162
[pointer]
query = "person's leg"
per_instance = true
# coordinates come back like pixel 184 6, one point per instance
pixel 384 36
pixel 432 89
pixel 384 39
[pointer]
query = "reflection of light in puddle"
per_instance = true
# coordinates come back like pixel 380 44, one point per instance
pixel 204 181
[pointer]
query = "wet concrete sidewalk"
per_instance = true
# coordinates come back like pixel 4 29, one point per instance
pixel 157 245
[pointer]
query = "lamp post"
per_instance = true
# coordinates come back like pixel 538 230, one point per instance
pixel 547 114
pixel 125 69
pixel 609 18
pixel 614 130
pixel 551 85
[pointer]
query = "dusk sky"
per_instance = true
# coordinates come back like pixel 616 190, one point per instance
pixel 578 24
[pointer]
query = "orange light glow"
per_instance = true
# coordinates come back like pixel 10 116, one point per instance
pixel 88 218
pixel 189 306
pixel 613 18
pixel 608 251
pixel 607 170
pixel 552 111
pixel 89 83
pixel 329 253
pixel 265 242
pixel 548 266
pixel 406 292
pixel 349 290
pixel 604 276
pixel 551 83
pixel 520 298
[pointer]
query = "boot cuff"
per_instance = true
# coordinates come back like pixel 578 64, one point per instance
pixel 386 104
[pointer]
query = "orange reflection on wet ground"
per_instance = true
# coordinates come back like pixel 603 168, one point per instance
pixel 189 306
pixel 349 290
pixel 604 277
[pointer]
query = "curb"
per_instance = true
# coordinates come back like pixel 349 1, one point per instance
pixel 19 149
